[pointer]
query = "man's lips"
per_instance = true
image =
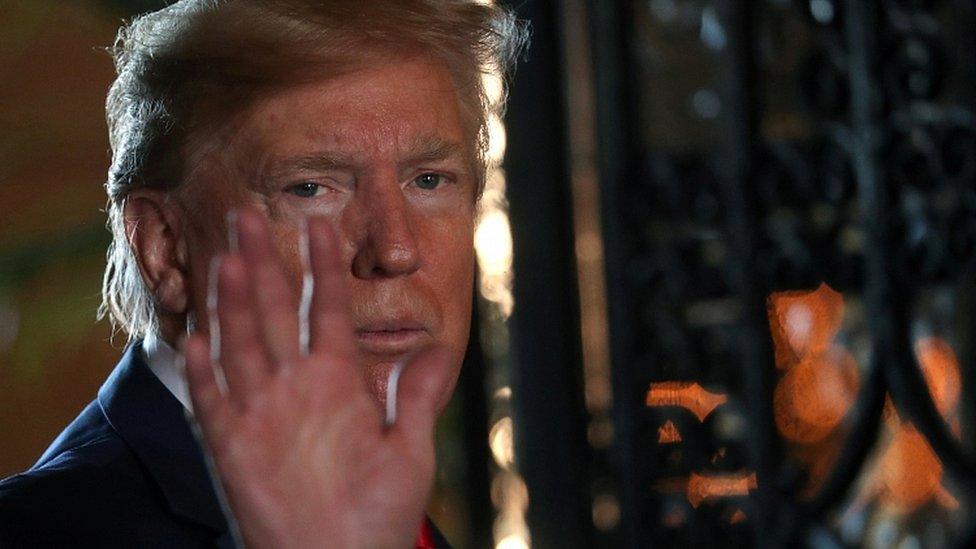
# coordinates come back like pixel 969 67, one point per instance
pixel 391 338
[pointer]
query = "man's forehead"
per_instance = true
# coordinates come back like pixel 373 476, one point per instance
pixel 394 88
pixel 404 113
pixel 391 105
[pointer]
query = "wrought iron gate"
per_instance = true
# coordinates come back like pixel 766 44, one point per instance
pixel 785 234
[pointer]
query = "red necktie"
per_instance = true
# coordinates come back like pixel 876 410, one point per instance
pixel 425 540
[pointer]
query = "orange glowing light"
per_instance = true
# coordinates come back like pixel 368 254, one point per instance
pixel 813 396
pixel 819 384
pixel 737 517
pixel 702 487
pixel 688 395
pixel 820 379
pixel 941 370
pixel 910 473
pixel 945 499
pixel 668 433
pixel 803 322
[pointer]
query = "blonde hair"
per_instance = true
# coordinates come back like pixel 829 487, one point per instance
pixel 195 63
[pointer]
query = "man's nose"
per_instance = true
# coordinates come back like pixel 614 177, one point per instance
pixel 387 243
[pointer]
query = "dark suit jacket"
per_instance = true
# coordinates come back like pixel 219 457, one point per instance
pixel 127 472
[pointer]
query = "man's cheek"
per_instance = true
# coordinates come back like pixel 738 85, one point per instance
pixel 286 235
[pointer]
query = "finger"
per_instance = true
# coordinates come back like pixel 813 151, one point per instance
pixel 274 297
pixel 308 286
pixel 241 357
pixel 329 324
pixel 422 391
pixel 210 405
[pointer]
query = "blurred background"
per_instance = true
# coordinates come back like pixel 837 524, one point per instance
pixel 726 292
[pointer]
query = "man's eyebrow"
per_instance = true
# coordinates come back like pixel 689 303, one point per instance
pixel 421 150
pixel 311 162
pixel 431 149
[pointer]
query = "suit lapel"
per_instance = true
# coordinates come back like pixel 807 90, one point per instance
pixel 152 422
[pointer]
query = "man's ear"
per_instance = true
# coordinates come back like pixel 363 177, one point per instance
pixel 153 225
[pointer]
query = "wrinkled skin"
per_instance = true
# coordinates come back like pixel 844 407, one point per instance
pixel 379 164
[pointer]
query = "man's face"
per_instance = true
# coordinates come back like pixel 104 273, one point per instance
pixel 381 152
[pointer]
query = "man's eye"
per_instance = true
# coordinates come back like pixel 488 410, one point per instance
pixel 429 181
pixel 305 190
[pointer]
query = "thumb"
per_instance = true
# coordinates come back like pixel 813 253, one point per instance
pixel 422 392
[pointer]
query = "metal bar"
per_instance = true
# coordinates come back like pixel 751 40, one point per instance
pixel 737 191
pixel 474 411
pixel 964 326
pixel 590 265
pixel 909 391
pixel 888 301
pixel 616 145
pixel 547 386
pixel 866 425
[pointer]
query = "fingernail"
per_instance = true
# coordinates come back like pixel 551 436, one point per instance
pixel 231 220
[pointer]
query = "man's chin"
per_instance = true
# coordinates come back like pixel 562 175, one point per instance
pixel 376 374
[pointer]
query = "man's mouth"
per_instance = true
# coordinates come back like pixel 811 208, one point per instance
pixel 391 338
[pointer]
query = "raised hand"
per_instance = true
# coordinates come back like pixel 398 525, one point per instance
pixel 299 445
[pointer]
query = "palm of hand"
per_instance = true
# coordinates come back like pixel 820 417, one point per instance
pixel 297 442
